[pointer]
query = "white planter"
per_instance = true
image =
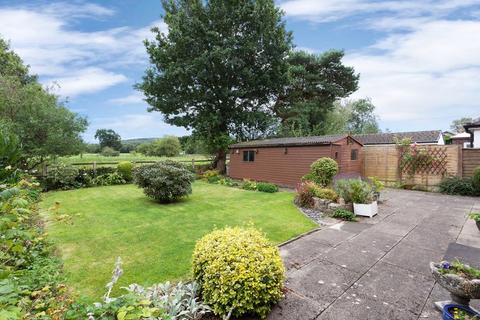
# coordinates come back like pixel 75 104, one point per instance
pixel 365 210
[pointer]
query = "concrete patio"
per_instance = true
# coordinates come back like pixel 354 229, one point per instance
pixel 379 268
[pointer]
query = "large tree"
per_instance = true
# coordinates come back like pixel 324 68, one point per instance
pixel 353 116
pixel 108 138
pixel 218 68
pixel 457 125
pixel 315 83
pixel 44 125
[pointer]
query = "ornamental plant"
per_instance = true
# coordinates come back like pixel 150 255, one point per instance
pixel 239 272
pixel 344 214
pixel 476 180
pixel 125 169
pixel 165 181
pixel 322 171
pixel 306 191
pixel 355 191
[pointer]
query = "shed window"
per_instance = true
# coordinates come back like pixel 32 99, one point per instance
pixel 249 156
pixel 354 154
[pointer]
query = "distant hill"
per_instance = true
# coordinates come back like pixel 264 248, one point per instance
pixel 138 141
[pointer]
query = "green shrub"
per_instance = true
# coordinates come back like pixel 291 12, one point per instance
pixel 305 193
pixel 475 216
pixel 109 179
pixel 249 185
pixel 377 185
pixel 344 214
pixel 238 271
pixel 165 181
pixel 267 187
pixel 355 191
pixel 476 180
pixel 322 171
pixel 326 193
pixel 125 169
pixel 30 276
pixel 228 182
pixel 457 186
pixel 61 176
pixel 211 176
pixel 109 152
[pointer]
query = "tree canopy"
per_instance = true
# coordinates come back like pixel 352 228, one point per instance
pixel 457 125
pixel 108 138
pixel 315 83
pixel 353 116
pixel 218 68
pixel 43 124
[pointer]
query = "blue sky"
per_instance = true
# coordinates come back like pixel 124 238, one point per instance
pixel 419 61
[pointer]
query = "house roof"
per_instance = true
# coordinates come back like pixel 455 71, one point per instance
pixel 431 136
pixel 462 135
pixel 293 141
pixel 474 124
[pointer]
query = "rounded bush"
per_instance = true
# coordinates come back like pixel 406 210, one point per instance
pixel 61 176
pixel 239 271
pixel 165 181
pixel 125 169
pixel 325 193
pixel 323 170
pixel 267 187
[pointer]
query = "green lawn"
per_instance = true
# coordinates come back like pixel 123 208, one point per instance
pixel 155 241
pixel 91 157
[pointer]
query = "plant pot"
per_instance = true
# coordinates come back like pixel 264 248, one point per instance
pixel 461 289
pixel 365 210
pixel 447 312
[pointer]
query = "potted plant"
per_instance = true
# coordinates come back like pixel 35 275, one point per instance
pixel 458 312
pixel 463 283
pixel 377 186
pixel 476 217
pixel 362 197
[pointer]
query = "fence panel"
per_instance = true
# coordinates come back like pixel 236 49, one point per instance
pixel 383 163
pixel 470 161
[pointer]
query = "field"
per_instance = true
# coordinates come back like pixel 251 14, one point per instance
pixel 91 157
pixel 95 225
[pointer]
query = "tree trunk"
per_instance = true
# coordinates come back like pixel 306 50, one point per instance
pixel 220 161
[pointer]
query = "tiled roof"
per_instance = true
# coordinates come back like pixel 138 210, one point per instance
pixel 295 141
pixel 431 136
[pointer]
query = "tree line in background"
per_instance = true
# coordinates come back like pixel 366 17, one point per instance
pixel 228 72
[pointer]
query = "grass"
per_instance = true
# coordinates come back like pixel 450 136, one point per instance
pixel 95 225
pixel 91 157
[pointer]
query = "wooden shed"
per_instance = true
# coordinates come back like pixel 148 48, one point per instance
pixel 284 161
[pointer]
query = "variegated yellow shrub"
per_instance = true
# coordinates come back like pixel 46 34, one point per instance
pixel 239 271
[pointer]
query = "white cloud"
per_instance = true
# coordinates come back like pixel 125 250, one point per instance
pixel 135 98
pixel 88 80
pixel 134 125
pixel 43 36
pixel 331 10
pixel 427 76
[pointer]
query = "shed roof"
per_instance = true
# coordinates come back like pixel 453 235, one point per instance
pixel 431 136
pixel 293 141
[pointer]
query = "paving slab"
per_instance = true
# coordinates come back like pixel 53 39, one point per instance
pixel 466 254
pixel 321 281
pixel 296 307
pixel 300 252
pixel 413 258
pixel 353 256
pixel 331 236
